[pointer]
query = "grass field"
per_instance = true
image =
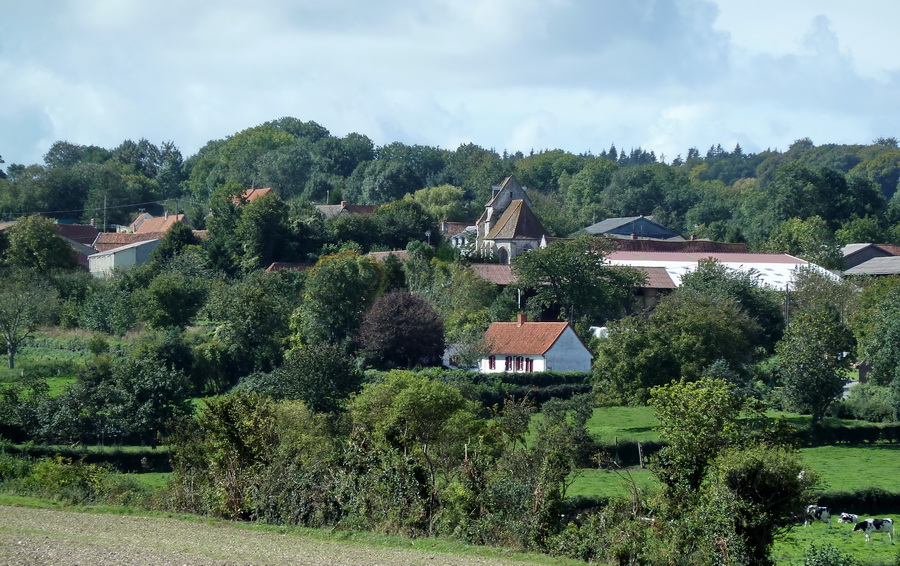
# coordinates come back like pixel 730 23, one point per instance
pixel 623 423
pixel 841 466
pixel 790 547
pixel 593 482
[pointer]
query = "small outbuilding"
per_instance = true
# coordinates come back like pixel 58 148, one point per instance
pixel 526 347
pixel 102 264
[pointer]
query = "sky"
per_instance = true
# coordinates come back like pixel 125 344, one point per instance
pixel 510 75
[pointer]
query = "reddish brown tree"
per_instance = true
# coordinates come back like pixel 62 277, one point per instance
pixel 402 330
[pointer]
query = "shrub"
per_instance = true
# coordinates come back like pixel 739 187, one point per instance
pixel 64 479
pixel 826 555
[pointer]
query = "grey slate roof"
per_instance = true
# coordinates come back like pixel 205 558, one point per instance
pixel 877 266
pixel 642 226
pixel 517 222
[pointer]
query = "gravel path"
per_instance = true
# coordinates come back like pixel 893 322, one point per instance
pixel 64 538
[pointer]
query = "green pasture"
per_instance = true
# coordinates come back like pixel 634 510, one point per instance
pixel 152 480
pixel 43 363
pixel 590 482
pixel 623 423
pixel 790 546
pixel 849 468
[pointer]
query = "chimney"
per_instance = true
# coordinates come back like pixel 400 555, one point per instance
pixel 693 237
pixel 343 204
pixel 633 236
pixel 166 214
pixel 93 222
pixel 523 318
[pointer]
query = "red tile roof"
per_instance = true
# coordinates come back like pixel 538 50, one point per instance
pixel 287 266
pixel 526 338
pixel 450 229
pixel 158 224
pixel 496 273
pixel 657 278
pixel 109 240
pixel 402 255
pixel 81 233
pixel 688 246
pixel 254 193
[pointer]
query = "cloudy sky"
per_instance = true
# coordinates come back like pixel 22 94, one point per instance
pixel 515 75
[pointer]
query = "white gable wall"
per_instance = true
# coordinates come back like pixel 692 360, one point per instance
pixel 568 354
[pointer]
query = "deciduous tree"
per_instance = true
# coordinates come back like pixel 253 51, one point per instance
pixel 34 244
pixel 338 290
pixel 26 302
pixel 813 359
pixel 575 276
pixel 402 329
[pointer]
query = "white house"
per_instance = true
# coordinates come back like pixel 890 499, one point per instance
pixel 524 346
pixel 102 264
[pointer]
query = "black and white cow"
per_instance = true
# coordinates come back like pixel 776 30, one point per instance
pixel 849 518
pixel 876 526
pixel 816 513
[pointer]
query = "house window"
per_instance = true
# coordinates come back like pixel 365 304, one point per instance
pixel 508 365
pixel 519 361
pixel 529 365
pixel 492 362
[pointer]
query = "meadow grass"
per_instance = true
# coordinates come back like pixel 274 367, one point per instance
pixel 790 546
pixel 591 482
pixel 623 423
pixel 152 480
pixel 848 468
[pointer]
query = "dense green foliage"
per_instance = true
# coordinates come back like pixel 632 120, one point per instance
pixel 297 427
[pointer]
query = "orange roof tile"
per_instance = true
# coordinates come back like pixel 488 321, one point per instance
pixel 254 193
pixel 496 273
pixel 527 338
pixel 287 266
pixel 108 240
pixel 402 255
pixel 158 224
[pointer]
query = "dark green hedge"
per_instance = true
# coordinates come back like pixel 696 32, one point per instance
pixel 127 461
pixel 863 433
pixel 867 501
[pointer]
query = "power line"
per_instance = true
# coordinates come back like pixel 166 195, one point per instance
pixel 19 213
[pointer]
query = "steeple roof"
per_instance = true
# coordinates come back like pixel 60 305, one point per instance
pixel 517 222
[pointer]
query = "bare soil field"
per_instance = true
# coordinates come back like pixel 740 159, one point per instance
pixel 60 537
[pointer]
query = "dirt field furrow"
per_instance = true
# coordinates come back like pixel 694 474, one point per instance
pixel 67 538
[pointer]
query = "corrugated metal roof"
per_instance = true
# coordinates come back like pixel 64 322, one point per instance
pixel 773 270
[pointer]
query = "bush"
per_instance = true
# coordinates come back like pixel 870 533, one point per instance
pixel 63 479
pixel 13 467
pixel 867 402
pixel 826 555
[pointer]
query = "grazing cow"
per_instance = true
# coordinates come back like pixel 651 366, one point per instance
pixel 848 518
pixel 816 513
pixel 876 526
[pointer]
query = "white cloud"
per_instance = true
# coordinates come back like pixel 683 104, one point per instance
pixel 510 74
